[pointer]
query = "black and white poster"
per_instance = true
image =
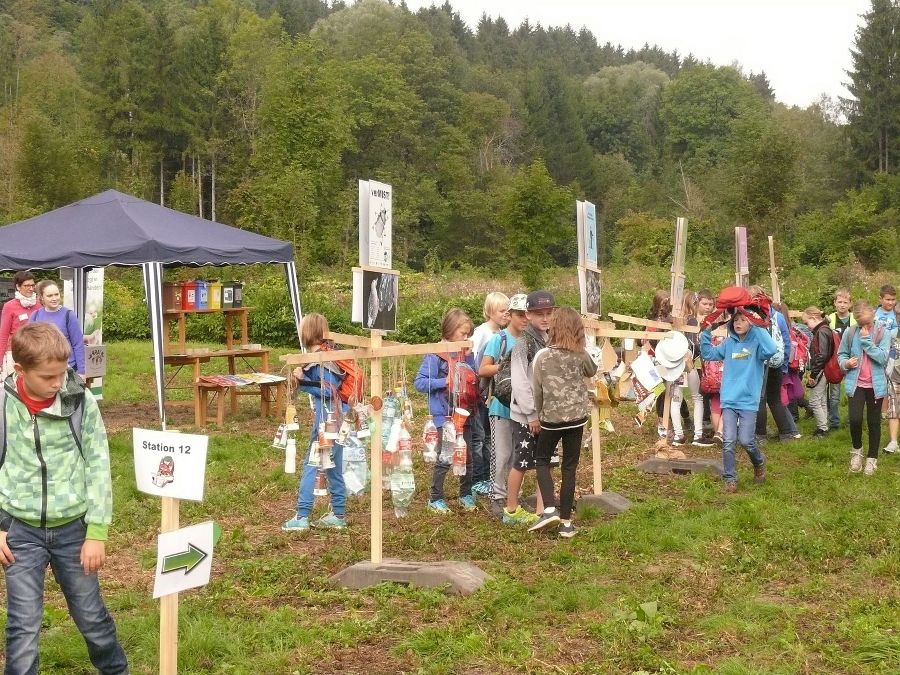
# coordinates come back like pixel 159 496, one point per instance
pixel 589 287
pixel 375 296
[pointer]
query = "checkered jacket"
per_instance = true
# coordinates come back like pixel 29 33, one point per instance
pixel 47 478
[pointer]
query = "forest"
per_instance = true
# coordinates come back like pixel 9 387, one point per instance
pixel 265 114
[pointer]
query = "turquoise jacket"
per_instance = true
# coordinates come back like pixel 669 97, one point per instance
pixel 742 376
pixel 853 343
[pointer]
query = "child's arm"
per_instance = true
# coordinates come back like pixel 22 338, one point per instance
pixel 522 393
pixel 5 327
pixel 877 352
pixel 709 351
pixel 588 367
pixel 76 337
pixel 429 378
pixel 98 484
pixel 537 382
pixel 767 346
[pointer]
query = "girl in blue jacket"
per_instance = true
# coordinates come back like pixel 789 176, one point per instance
pixel 745 352
pixel 863 355
pixel 433 379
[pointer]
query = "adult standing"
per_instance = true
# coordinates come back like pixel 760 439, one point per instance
pixel 16 313
pixel 52 311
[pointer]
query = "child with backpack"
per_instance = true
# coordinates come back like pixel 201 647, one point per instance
pixel 793 391
pixel 438 378
pixel 55 500
pixel 496 317
pixel 820 352
pixel 561 399
pixel 862 356
pixel 496 358
pixel 839 321
pixel 744 352
pixel 323 383
pixel 692 382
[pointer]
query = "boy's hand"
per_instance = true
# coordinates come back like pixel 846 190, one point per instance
pixel 6 556
pixel 851 363
pixel 93 555
pixel 534 427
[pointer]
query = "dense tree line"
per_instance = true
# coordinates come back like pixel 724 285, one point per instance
pixel 265 114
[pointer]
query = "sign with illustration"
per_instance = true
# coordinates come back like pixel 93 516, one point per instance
pixel 375 224
pixel 586 224
pixel 184 558
pixel 169 464
pixel 589 287
pixel 375 296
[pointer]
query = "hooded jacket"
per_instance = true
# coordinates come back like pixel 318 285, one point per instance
pixel 745 359
pixel 821 348
pixel 432 380
pixel 46 478
pixel 874 346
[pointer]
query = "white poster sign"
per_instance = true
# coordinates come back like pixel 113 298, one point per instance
pixel 586 229
pixel 375 224
pixel 169 464
pixel 183 559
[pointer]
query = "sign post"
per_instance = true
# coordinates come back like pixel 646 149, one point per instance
pixel 741 259
pixel 773 272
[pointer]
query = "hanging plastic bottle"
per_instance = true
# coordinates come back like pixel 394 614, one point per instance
pixel 388 413
pixel 321 488
pixel 290 456
pixel 362 420
pixel 315 456
pixel 331 427
pixel 448 440
pixel 403 481
pixel 430 438
pixel 459 456
pixel 344 431
pixel 393 441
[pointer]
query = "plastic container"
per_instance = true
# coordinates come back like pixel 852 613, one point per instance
pixel 172 292
pixel 189 295
pixel 238 290
pixel 202 294
pixel 227 295
pixel 215 294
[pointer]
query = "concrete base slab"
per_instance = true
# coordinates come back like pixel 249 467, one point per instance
pixel 461 578
pixel 611 503
pixel 684 467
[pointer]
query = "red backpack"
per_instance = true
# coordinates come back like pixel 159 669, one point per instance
pixel 799 350
pixel 711 373
pixel 464 387
pixel 832 369
pixel 353 379
pixel 737 299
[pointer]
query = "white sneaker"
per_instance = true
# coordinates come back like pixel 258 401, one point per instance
pixel 892 447
pixel 871 465
pixel 856 461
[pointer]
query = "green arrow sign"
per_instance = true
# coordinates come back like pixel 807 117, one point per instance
pixel 187 560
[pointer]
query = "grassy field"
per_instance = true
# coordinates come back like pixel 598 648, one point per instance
pixel 797 576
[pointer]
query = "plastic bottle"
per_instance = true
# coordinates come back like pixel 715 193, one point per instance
pixel 290 456
pixel 459 456
pixel 431 438
pixel 403 481
pixel 362 421
pixel 448 440
pixel 315 457
pixel 388 413
pixel 321 488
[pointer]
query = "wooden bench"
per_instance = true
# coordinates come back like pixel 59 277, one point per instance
pixel 269 393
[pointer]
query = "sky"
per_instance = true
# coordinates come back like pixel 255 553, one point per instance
pixel 802 45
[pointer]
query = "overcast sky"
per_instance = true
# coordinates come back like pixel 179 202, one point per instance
pixel 802 45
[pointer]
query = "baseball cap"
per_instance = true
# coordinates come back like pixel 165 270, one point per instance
pixel 540 300
pixel 517 303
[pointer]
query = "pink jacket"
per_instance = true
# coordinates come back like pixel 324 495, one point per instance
pixel 13 317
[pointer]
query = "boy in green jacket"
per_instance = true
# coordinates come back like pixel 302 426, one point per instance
pixel 55 500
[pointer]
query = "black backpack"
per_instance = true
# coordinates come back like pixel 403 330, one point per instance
pixel 503 378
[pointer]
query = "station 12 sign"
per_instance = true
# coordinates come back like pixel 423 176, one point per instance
pixel 169 464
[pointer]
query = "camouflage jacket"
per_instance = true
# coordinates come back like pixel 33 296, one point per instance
pixel 557 380
pixel 47 478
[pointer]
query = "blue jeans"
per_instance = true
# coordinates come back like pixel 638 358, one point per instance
pixel 335 476
pixel 834 404
pixel 33 548
pixel 481 445
pixel 739 427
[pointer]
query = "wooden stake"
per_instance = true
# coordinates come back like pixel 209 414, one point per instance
pixel 773 272
pixel 376 492
pixel 168 604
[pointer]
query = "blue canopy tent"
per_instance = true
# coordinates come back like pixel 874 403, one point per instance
pixel 112 228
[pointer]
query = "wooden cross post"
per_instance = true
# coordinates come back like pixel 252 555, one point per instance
pixel 741 258
pixel 168 604
pixel 374 349
pixel 773 272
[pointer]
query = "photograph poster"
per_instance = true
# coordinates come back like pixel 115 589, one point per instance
pixel 375 296
pixel 589 287
pixel 375 224
pixel 586 225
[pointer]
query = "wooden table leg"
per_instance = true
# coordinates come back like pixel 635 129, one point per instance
pixel 264 394
pixel 182 333
pixel 200 401
pixel 220 405
pixel 233 394
pixel 280 395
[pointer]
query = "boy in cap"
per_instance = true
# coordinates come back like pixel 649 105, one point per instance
pixel 539 307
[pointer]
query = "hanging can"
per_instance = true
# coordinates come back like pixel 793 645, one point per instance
pixel 189 295
pixel 172 292
pixel 227 295
pixel 202 294
pixel 215 294
pixel 238 293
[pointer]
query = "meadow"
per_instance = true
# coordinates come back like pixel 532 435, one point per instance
pixel 796 576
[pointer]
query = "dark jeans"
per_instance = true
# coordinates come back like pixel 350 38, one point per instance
pixel 60 547
pixel 571 442
pixel 865 398
pixel 771 395
pixel 439 472
pixel 481 445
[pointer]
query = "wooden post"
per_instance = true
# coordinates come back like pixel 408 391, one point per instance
pixel 741 258
pixel 773 272
pixel 376 491
pixel 595 447
pixel 168 604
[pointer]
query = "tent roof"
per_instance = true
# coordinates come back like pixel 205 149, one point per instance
pixel 112 228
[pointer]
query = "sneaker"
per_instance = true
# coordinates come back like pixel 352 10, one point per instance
pixel 759 473
pixel 439 506
pixel 638 422
pixel 660 431
pixel 296 525
pixel 819 434
pixel 871 465
pixel 891 447
pixel 567 531
pixel 468 503
pixel 496 508
pixel 679 440
pixel 546 518
pixel 856 460
pixel 519 517
pixel 700 442
pixel 482 487
pixel 796 436
pixel 730 487
pixel 331 522
pixel 718 438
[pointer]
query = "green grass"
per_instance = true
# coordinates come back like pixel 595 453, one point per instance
pixel 796 576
